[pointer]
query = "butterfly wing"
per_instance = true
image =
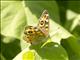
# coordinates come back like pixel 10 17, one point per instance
pixel 44 23
pixel 29 33
pixel 33 35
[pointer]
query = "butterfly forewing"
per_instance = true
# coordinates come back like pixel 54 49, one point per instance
pixel 44 23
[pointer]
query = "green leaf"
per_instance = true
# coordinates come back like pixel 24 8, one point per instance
pixel 9 49
pixel 72 46
pixel 51 51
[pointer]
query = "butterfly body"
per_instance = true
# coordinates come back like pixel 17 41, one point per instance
pixel 35 35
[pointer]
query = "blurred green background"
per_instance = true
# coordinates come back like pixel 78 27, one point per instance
pixel 15 15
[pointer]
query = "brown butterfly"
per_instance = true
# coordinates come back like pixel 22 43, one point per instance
pixel 35 35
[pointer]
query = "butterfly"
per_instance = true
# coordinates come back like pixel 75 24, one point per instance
pixel 38 34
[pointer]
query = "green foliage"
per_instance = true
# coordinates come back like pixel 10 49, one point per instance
pixel 64 40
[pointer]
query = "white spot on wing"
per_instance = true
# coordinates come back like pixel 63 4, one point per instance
pixel 47 15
